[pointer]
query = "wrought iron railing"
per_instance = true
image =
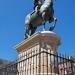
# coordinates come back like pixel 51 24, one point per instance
pixel 41 63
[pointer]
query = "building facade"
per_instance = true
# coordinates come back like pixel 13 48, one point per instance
pixel 9 69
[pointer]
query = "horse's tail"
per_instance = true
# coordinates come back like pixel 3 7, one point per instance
pixel 53 26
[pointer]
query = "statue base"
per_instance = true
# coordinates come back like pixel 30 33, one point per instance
pixel 34 53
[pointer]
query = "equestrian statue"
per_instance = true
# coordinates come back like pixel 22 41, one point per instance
pixel 43 12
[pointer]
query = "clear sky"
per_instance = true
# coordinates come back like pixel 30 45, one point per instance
pixel 12 15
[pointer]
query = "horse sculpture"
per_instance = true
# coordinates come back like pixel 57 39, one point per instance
pixel 40 17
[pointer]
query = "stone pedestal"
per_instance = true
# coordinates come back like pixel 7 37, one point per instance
pixel 36 54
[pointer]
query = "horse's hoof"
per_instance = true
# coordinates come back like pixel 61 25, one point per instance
pixel 51 28
pixel 55 19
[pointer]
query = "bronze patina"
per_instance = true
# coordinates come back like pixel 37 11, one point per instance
pixel 43 12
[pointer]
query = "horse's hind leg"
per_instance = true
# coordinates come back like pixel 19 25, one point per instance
pixel 26 31
pixel 53 26
pixel 43 22
pixel 33 30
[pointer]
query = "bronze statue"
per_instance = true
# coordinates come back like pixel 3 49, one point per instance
pixel 42 13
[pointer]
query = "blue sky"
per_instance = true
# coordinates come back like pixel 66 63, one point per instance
pixel 12 15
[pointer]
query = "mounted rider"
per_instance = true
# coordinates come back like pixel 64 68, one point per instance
pixel 37 5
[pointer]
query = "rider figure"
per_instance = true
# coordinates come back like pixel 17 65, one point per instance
pixel 37 5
